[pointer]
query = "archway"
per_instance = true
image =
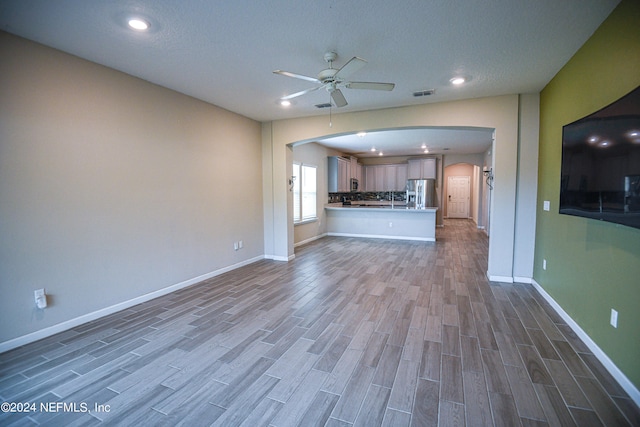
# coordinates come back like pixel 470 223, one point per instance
pixel 475 170
pixel 499 113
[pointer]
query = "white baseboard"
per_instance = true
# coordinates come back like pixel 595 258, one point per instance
pixel 312 239
pixel 617 374
pixel 72 323
pixel 382 236
pixel 280 258
pixel 509 279
pixel 503 279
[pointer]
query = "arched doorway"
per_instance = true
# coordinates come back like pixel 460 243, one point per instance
pixel 499 113
pixel 466 190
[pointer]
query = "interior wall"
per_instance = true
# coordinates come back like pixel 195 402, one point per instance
pixel 527 188
pixel 499 113
pixel 314 154
pixel 113 189
pixel 592 266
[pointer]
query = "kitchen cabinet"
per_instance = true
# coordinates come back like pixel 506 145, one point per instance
pixel 369 178
pixel 339 174
pixel 344 172
pixel 379 177
pixel 390 179
pixel 373 178
pixel 340 171
pixel 395 177
pixel 355 169
pixel 422 169
pixel 401 177
pixel 385 177
pixel 358 174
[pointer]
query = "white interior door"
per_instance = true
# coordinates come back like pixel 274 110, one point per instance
pixel 458 197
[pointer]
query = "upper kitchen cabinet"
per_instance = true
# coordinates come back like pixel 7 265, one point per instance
pixel 340 171
pixel 338 174
pixel 395 177
pixel 402 172
pixel 385 177
pixel 422 169
pixel 369 173
pixel 356 169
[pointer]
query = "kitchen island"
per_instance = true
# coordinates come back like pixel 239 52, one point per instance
pixel 385 221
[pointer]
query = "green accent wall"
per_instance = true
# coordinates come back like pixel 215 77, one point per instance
pixel 592 266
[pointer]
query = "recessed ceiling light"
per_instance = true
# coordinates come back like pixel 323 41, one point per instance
pixel 426 150
pixel 361 134
pixel 457 80
pixel 285 103
pixel 138 24
pixel 373 149
pixel 380 153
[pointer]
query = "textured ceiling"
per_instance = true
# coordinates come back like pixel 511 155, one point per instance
pixel 409 142
pixel 225 52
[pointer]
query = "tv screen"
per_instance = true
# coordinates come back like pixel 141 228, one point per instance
pixel 600 175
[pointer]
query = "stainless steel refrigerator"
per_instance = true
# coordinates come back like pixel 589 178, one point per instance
pixel 421 193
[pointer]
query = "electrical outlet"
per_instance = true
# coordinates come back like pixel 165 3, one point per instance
pixel 614 318
pixel 546 205
pixel 544 264
pixel 240 244
pixel 41 298
pixel 235 246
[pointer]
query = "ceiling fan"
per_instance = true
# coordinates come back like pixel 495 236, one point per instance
pixel 333 79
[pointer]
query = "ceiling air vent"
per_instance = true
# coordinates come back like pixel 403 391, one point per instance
pixel 325 105
pixel 424 92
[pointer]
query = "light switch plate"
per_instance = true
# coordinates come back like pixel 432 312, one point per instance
pixel 546 205
pixel 614 318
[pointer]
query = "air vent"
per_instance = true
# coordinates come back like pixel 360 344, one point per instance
pixel 424 92
pixel 326 105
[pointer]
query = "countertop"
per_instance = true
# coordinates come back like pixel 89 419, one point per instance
pixel 381 206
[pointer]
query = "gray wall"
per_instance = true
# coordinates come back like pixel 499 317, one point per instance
pixel 113 190
pixel 316 155
pixel 527 188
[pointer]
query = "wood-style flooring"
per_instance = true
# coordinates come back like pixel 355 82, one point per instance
pixel 360 332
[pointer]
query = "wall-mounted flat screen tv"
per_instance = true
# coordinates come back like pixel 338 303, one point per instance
pixel 600 176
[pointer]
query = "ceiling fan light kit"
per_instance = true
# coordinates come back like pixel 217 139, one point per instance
pixel 333 80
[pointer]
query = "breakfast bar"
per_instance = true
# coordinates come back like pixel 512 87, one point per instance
pixel 385 221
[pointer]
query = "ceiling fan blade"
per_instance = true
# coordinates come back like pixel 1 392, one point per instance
pixel 350 67
pixel 296 76
pixel 370 85
pixel 338 98
pixel 297 94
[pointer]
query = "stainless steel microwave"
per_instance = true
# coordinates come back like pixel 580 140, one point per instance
pixel 354 184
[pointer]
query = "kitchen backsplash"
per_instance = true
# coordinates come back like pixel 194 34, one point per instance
pixel 398 196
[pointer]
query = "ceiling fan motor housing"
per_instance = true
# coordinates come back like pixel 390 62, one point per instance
pixel 327 76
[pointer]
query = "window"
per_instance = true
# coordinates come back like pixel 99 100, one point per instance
pixel 304 193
